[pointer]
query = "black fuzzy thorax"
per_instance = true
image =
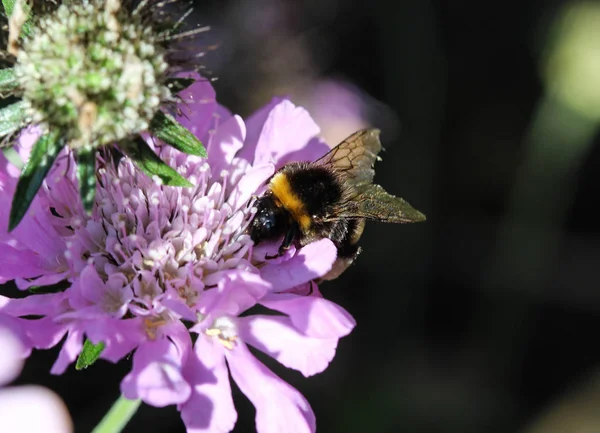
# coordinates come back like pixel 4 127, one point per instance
pixel 317 187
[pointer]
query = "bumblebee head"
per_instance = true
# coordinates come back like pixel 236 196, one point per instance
pixel 270 220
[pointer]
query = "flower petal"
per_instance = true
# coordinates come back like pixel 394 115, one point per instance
pixel 156 375
pixel 254 125
pixel 198 105
pixel 20 264
pixel 210 408
pixel 120 336
pixel 11 358
pixel 89 286
pixel 312 316
pixel 68 352
pixel 236 292
pixel 44 333
pixel 14 326
pixel 279 407
pixel 312 261
pixel 280 145
pixel 36 305
pixel 37 233
pixel 248 185
pixel 276 336
pixel 225 143
pixel 27 409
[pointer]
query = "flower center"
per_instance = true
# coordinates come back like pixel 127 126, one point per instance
pixel 167 244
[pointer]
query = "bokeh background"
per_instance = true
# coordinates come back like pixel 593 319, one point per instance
pixel 486 317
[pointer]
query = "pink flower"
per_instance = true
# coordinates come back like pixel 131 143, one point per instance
pixel 156 268
pixel 25 409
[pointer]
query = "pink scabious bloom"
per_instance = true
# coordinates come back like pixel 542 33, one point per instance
pixel 29 408
pixel 166 272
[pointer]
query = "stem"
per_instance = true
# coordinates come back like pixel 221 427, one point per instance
pixel 118 416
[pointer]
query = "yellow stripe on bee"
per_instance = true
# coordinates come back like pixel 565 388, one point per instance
pixel 282 190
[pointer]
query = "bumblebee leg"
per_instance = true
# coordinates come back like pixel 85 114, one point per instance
pixel 288 239
pixel 253 198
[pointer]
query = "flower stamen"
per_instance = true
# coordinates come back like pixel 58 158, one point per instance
pixel 225 330
pixel 151 324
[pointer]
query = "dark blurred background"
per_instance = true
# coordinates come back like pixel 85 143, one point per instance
pixel 486 317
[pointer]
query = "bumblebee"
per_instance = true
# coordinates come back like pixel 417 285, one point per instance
pixel 331 197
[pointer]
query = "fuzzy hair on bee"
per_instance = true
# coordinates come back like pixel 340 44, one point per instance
pixel 332 198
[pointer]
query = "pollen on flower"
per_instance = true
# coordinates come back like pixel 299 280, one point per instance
pixel 225 330
pixel 94 69
pixel 151 324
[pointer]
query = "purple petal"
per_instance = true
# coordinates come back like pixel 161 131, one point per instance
pixel 11 355
pixel 52 277
pixel 156 375
pixel 312 316
pixel 69 352
pixel 44 333
pixel 237 291
pixel 248 184
pixel 225 143
pixel 179 307
pixel 32 250
pixel 20 264
pixel 37 233
pixel 254 125
pixel 197 105
pixel 279 407
pixel 14 326
pixel 34 305
pixel 210 408
pixel 276 336
pixel 285 134
pixel 312 261
pixel 90 285
pixel 120 336
pixel 29 409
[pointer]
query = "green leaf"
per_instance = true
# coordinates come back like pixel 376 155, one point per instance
pixel 89 354
pixel 12 118
pixel 9 6
pixel 176 85
pixel 149 162
pixel 8 81
pixel 166 128
pixel 42 157
pixel 86 175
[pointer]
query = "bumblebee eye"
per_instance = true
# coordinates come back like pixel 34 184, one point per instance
pixel 268 223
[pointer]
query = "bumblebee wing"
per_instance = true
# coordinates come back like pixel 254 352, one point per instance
pixel 354 157
pixel 374 203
